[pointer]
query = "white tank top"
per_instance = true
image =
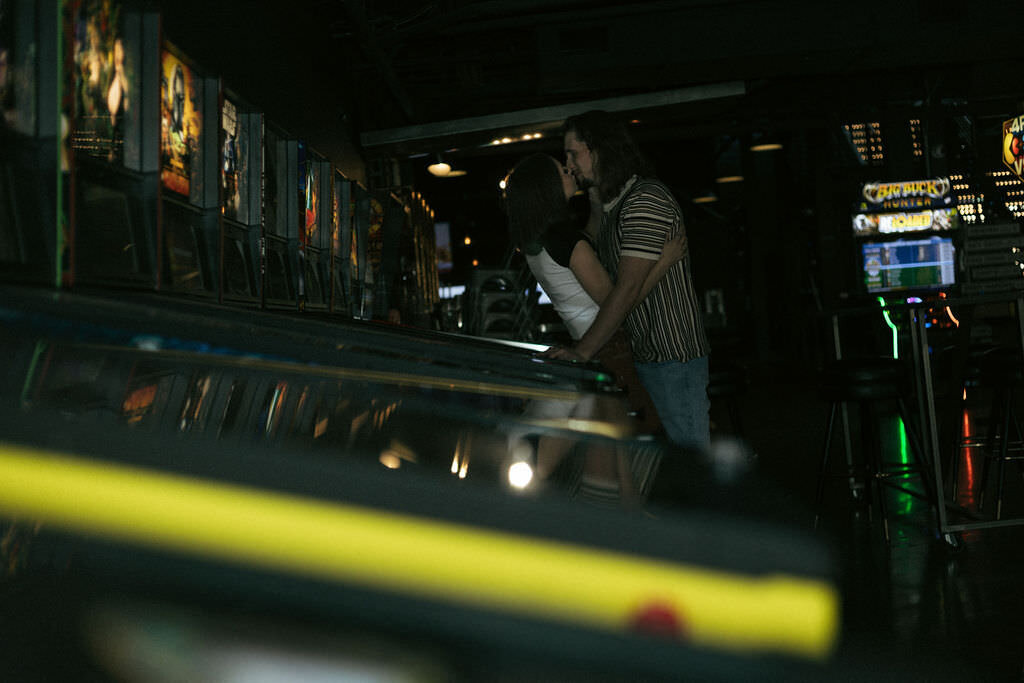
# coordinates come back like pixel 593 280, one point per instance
pixel 572 303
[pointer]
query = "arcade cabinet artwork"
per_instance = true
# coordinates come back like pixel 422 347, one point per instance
pixel 311 202
pixel 905 233
pixel 103 80
pixel 310 236
pixel 235 161
pixel 1013 145
pixel 180 124
pixel 355 288
pixel 374 256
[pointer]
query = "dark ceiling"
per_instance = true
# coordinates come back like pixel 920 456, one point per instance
pixel 403 77
pixel 445 62
pixel 392 81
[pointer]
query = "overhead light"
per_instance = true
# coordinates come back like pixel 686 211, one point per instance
pixel 764 140
pixel 520 474
pixel 439 168
pixel 705 198
pixel 728 161
pixel 507 140
pixel 455 173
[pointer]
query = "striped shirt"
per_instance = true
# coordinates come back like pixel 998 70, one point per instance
pixel 668 324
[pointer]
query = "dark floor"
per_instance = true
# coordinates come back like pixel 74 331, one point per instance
pixel 962 604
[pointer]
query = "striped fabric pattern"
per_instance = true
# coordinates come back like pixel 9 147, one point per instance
pixel 668 324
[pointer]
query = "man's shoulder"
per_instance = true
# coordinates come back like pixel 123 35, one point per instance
pixel 650 191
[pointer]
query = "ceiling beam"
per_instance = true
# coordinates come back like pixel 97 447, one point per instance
pixel 547 115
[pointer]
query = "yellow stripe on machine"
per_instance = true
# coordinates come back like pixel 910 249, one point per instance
pixel 422 557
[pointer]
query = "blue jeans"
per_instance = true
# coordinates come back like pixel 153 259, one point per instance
pixel 680 393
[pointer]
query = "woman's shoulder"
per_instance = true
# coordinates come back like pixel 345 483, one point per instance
pixel 561 239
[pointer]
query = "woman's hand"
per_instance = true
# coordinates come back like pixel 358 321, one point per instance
pixel 563 353
pixel 675 248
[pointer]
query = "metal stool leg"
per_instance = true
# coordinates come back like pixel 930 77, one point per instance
pixel 823 471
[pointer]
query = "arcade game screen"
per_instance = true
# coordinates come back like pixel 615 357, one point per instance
pixel 183 255
pixel 278 282
pixel 236 269
pixel 911 264
pixel 104 80
pixel 314 288
pixel 106 243
pixel 234 165
pixel 180 124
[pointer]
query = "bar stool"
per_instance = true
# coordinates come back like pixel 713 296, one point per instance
pixel 727 381
pixel 1003 370
pixel 868 383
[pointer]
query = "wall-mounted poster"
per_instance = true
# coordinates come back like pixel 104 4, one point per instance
pixel 104 87
pixel 180 124
pixel 234 164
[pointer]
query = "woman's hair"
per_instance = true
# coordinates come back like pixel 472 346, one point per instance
pixel 618 157
pixel 533 198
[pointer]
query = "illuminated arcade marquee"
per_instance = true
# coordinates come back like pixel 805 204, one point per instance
pixel 907 206
pixel 905 233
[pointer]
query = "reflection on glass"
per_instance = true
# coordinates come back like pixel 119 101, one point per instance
pixel 147 390
pixel 520 474
pixel 138 402
pixel 297 414
pixel 232 407
pixel 321 418
pixel 236 269
pixel 182 249
pixel 271 409
pixel 196 406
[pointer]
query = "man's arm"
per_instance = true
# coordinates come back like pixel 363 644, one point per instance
pixel 619 302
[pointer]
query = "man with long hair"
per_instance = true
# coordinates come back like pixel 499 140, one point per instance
pixel 665 327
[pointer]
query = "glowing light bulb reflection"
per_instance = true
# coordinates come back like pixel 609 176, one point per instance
pixel 390 460
pixel 520 474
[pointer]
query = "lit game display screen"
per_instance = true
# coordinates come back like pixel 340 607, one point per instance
pixel 180 124
pixel 911 265
pixel 235 164
pixel 311 201
pixel 104 87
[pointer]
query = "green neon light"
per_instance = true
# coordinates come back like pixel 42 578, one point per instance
pixel 895 335
pixel 908 500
